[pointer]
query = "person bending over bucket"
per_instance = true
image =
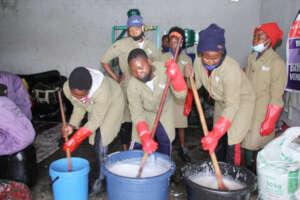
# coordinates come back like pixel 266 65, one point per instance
pixel 121 49
pixel 102 99
pixel 228 85
pixel 145 89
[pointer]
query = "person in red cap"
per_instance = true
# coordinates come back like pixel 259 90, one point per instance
pixel 267 73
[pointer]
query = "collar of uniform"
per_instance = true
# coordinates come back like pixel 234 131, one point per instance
pixel 215 69
pixel 136 42
pixel 267 54
pixel 179 55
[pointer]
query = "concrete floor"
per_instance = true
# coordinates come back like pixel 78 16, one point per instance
pixel 42 190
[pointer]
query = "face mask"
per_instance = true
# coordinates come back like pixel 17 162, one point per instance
pixel 83 100
pixel 147 77
pixel 138 37
pixel 260 47
pixel 211 67
pixel 165 49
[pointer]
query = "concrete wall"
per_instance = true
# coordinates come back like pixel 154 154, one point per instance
pixel 283 12
pixel 37 35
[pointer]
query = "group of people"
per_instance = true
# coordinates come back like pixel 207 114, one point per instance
pixel 247 102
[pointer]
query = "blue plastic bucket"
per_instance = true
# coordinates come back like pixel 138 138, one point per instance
pixel 151 188
pixel 70 185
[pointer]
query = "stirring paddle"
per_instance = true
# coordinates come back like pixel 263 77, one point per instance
pixel 161 105
pixel 205 130
pixel 63 118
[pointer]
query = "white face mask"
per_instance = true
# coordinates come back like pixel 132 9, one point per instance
pixel 260 47
pixel 83 100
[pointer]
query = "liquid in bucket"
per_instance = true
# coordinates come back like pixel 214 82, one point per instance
pixel 120 186
pixel 210 181
pixel 201 183
pixel 130 167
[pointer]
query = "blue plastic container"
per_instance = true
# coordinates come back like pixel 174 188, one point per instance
pixel 151 188
pixel 70 185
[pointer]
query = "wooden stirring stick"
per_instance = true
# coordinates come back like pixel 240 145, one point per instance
pixel 161 105
pixel 63 118
pixel 205 130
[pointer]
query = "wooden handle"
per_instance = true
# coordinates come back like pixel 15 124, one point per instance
pixel 205 130
pixel 158 114
pixel 63 118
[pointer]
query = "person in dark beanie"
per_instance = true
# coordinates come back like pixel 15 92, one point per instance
pixel 228 85
pixel 102 99
pixel 268 76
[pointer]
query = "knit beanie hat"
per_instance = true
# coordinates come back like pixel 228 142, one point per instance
pixel 272 30
pixel 211 39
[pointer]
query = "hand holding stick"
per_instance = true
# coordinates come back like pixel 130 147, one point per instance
pixel 205 130
pixel 158 114
pixel 63 118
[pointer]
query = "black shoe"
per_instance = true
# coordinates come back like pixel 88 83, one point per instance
pixel 98 187
pixel 183 154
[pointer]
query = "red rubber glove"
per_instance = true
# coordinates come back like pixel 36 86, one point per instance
pixel 188 104
pixel 268 125
pixel 81 134
pixel 210 142
pixel 149 145
pixel 175 74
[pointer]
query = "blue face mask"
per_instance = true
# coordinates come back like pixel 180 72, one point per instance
pixel 211 67
pixel 260 47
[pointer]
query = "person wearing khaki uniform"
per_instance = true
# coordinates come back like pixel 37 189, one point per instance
pixel 120 49
pixel 229 87
pixel 102 99
pixel 181 121
pixel 145 89
pixel 182 61
pixel 268 76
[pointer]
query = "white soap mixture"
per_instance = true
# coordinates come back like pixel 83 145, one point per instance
pixel 130 167
pixel 210 181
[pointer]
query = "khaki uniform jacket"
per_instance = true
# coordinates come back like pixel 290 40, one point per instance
pixel 104 110
pixel 121 49
pixel 233 94
pixel 268 77
pixel 144 103
pixel 182 60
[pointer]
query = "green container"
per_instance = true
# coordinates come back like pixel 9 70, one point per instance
pixel 189 37
pixel 132 12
